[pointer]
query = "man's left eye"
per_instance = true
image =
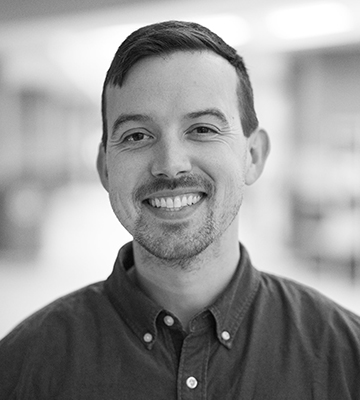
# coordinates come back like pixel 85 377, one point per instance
pixel 203 130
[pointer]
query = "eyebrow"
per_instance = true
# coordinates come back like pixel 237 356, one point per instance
pixel 214 112
pixel 124 118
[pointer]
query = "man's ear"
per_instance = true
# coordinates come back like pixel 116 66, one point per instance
pixel 102 167
pixel 258 151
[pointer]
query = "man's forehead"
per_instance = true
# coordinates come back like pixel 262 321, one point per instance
pixel 159 61
pixel 186 85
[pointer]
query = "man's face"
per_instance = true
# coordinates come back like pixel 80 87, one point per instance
pixel 176 155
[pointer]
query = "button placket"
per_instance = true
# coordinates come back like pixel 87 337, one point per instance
pixel 193 367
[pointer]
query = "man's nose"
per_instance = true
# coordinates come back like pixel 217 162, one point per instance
pixel 171 158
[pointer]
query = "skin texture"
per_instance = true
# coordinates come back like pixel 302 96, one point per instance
pixel 175 131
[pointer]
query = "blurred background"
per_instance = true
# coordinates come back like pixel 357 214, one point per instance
pixel 301 220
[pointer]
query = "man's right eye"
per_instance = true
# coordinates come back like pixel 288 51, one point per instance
pixel 137 137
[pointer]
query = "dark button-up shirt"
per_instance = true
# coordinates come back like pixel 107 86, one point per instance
pixel 265 338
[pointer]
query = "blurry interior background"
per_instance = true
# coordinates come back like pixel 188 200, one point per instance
pixel 301 220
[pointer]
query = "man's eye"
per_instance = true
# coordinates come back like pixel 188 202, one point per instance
pixel 137 137
pixel 203 132
pixel 203 129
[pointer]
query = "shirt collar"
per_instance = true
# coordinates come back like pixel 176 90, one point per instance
pixel 141 313
pixel 231 306
pixel 134 306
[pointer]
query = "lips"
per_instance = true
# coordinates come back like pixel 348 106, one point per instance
pixel 175 203
pixel 168 195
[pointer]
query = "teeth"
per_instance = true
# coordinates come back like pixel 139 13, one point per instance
pixel 175 203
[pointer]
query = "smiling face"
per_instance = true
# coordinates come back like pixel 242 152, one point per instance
pixel 176 157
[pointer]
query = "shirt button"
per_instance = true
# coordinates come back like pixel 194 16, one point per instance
pixel 169 320
pixel 191 382
pixel 148 337
pixel 225 335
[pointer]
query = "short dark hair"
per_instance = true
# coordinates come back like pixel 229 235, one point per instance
pixel 168 37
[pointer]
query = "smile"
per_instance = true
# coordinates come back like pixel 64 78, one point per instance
pixel 175 203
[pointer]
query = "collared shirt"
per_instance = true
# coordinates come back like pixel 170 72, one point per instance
pixel 265 338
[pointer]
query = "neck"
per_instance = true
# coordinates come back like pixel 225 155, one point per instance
pixel 186 291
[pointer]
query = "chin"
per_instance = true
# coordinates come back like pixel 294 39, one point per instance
pixel 175 249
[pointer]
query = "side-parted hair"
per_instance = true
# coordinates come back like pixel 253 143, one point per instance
pixel 168 37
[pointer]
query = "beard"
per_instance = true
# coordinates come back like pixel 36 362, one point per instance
pixel 176 241
pixel 182 242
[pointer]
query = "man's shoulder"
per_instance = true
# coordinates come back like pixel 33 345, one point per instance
pixel 311 329
pixel 61 315
pixel 307 307
pixel 299 294
pixel 53 339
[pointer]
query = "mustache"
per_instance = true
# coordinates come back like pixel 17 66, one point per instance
pixel 183 182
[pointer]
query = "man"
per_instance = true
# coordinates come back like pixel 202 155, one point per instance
pixel 184 314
